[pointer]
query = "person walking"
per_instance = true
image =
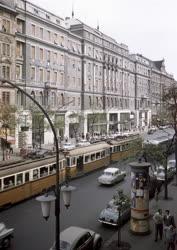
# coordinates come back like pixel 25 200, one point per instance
pixel 170 237
pixel 168 219
pixel 158 221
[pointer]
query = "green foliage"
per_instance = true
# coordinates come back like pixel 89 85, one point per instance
pixel 156 155
pixel 7 116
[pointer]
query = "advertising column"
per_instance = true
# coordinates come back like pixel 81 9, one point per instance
pixel 139 223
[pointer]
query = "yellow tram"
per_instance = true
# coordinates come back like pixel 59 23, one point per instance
pixel 122 149
pixel 24 180
pixel 88 158
pixel 21 181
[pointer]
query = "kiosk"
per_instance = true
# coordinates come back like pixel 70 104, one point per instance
pixel 139 222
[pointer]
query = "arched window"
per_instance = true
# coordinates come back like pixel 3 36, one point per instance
pixel 41 98
pixel 19 98
pixel 62 100
pixel 53 99
pixel 33 94
pixel 90 101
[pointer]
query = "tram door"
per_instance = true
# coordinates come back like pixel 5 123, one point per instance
pixel 80 164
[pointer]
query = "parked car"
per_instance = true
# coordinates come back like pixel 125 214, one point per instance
pixel 37 153
pixel 110 214
pixel 5 236
pixel 111 176
pixel 67 146
pixel 172 164
pixel 79 238
pixel 82 143
pixel 160 173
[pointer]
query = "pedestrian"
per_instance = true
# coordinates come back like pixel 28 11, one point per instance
pixel 169 219
pixel 11 150
pixel 170 237
pixel 158 221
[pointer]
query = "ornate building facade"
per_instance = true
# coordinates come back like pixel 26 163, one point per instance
pixel 84 78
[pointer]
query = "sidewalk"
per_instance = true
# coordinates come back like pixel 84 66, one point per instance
pixel 147 242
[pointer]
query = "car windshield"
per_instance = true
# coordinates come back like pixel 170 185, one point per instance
pixel 64 245
pixel 160 170
pixel 108 173
pixel 171 164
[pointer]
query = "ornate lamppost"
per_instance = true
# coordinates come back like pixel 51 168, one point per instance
pixel 46 199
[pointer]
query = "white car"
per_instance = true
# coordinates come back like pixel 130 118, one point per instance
pixel 160 173
pixel 82 143
pixel 172 164
pixel 79 238
pixel 5 236
pixel 67 146
pixel 111 176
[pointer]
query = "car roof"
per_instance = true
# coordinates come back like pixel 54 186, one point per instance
pixel 111 170
pixel 171 161
pixel 71 234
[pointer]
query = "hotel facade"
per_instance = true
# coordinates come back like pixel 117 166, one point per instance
pixel 86 80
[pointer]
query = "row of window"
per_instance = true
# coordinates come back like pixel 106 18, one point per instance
pixel 72 161
pixel 46 55
pixel 30 175
pixel 55 38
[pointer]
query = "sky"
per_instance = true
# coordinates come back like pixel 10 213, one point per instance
pixel 148 27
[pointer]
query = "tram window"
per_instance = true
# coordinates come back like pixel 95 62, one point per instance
pixel 118 148
pixel 19 179
pixel 26 176
pixel 107 151
pixel 98 155
pixel 52 169
pixel 68 161
pixel 9 181
pixel 35 174
pixel 43 171
pixel 87 158
pixel 92 157
pixel 102 154
pixel 73 161
pixel 111 149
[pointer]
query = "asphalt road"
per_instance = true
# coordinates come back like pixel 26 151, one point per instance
pixel 32 232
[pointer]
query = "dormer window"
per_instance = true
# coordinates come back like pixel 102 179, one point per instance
pixel 47 17
pixel 36 11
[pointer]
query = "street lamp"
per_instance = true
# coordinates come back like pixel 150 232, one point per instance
pixel 120 205
pixel 57 188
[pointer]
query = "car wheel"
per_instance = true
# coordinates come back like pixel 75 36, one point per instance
pixel 98 245
pixel 6 243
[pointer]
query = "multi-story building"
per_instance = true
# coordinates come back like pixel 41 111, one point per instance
pixel 84 78
pixel 7 50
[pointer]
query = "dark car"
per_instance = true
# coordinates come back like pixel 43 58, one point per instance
pixel 37 154
pixel 73 238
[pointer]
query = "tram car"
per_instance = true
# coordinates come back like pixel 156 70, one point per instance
pixel 121 149
pixel 88 158
pixel 22 181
